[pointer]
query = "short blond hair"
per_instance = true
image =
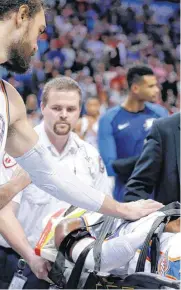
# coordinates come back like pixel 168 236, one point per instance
pixel 60 84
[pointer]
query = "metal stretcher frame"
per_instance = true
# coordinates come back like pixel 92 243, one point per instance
pixel 93 280
pixel 138 280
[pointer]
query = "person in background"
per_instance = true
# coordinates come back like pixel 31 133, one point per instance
pixel 33 113
pixel 61 105
pixel 158 168
pixel 87 126
pixel 123 129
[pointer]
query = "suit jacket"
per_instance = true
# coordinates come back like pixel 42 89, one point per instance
pixel 158 168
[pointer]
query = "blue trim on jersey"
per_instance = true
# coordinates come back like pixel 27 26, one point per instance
pixel 158 109
pixel 174 269
pixel 166 267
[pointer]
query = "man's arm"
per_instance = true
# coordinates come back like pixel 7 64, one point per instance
pixel 55 179
pixel 20 179
pixel 124 167
pixel 146 172
pixel 13 233
pixel 107 147
pixel 107 144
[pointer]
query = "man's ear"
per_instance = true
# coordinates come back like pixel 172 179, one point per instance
pixel 135 88
pixel 42 107
pixel 22 15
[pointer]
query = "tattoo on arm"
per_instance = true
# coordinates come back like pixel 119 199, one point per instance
pixel 11 131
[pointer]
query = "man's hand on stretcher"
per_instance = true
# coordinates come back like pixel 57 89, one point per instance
pixel 39 266
pixel 137 209
pixel 133 211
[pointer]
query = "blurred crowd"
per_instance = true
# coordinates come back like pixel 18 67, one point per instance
pixel 95 42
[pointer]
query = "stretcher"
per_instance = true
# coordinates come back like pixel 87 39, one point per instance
pixel 80 278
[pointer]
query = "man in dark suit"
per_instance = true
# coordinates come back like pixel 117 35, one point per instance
pixel 158 168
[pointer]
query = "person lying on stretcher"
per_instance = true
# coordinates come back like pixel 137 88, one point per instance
pixel 120 250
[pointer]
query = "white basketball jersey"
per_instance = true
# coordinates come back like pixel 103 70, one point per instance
pixel 4 119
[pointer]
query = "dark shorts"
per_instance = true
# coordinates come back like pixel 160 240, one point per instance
pixel 8 266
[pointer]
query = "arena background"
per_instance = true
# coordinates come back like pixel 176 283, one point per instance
pixel 95 42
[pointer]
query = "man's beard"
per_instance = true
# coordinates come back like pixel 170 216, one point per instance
pixel 19 57
pixel 59 131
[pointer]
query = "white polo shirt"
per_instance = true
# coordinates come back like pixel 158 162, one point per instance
pixel 83 160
